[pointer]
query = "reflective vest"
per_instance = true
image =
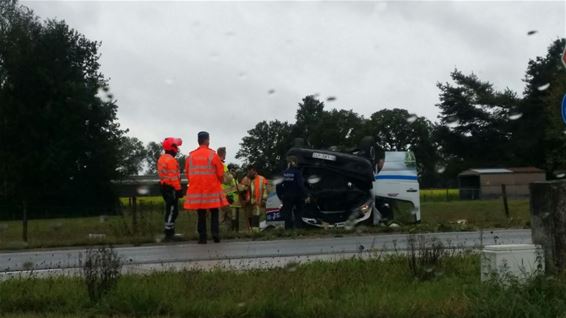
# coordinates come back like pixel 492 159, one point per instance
pixel 230 187
pixel 257 192
pixel 168 171
pixel 205 173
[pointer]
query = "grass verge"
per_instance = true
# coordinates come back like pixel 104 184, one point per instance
pixel 351 288
pixel 436 216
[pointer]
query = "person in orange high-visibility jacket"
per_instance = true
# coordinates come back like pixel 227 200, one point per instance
pixel 205 172
pixel 170 181
pixel 256 192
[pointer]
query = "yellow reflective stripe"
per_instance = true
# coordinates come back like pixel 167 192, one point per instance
pixel 169 178
pixel 191 201
pixel 197 195
pixel 168 170
pixel 206 173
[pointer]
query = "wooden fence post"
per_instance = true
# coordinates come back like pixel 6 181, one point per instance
pixel 24 221
pixel 134 215
pixel 548 222
pixel 504 194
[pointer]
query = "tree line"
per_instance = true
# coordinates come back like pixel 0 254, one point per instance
pixel 61 143
pixel 479 126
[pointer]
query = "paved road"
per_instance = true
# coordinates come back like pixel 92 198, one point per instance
pixel 232 253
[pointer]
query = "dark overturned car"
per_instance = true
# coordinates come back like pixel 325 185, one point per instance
pixel 349 188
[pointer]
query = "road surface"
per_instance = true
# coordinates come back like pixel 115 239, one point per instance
pixel 247 254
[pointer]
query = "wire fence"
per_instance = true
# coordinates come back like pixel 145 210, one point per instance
pixel 486 192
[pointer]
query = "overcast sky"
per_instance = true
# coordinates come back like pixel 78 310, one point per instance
pixel 180 67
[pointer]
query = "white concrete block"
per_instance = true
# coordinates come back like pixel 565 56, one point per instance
pixel 520 261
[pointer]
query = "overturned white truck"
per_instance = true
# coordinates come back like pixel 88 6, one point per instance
pixel 346 189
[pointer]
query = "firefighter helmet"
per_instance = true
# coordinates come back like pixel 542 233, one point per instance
pixel 172 144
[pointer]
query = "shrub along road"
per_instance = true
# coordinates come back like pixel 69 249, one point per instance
pixel 250 254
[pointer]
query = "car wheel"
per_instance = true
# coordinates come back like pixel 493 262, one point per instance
pixel 367 147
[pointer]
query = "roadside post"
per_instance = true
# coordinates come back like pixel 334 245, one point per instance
pixel 504 195
pixel 134 214
pixel 24 221
pixel 548 222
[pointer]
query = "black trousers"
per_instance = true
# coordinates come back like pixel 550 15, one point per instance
pixel 293 209
pixel 214 227
pixel 171 209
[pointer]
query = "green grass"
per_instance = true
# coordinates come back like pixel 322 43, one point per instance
pixel 488 213
pixel 434 195
pixel 436 216
pixel 350 288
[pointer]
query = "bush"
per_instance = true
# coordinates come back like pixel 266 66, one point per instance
pixel 101 271
pixel 425 256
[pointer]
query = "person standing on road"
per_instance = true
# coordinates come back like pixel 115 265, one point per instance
pixel 170 182
pixel 256 192
pixel 205 172
pixel 292 193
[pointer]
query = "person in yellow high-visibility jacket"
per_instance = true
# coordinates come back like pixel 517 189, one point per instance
pixel 232 191
pixel 230 187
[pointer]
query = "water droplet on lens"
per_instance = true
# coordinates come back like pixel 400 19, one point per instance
pixel 411 119
pixel 452 121
pixel 543 87
pixel 143 190
pixel 313 179
pixel 515 116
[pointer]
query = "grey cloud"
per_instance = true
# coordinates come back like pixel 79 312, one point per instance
pixel 176 67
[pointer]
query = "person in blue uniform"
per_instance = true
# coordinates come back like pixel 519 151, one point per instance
pixel 292 193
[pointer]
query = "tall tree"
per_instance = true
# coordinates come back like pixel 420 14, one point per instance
pixel 397 130
pixel 538 137
pixel 338 128
pixel 153 151
pixel 59 133
pixel 474 125
pixel 132 156
pixel 266 145
pixel 307 119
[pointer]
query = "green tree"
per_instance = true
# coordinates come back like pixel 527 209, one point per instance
pixel 153 151
pixel 59 140
pixel 337 128
pixel 266 145
pixel 474 128
pixel 398 130
pixel 539 134
pixel 307 119
pixel 132 156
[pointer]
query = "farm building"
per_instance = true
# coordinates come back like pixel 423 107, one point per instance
pixel 477 184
